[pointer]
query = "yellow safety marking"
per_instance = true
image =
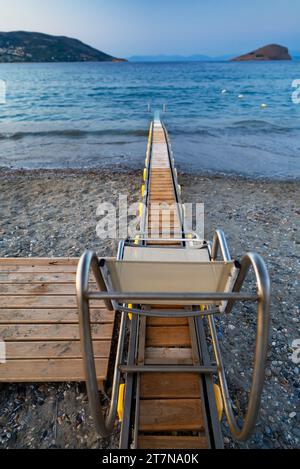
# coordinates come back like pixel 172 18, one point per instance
pixel 145 175
pixel 137 240
pixel 141 207
pixel 130 314
pixel 121 402
pixel 143 190
pixel 219 401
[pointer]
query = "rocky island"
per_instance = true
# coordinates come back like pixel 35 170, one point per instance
pixel 269 52
pixel 22 46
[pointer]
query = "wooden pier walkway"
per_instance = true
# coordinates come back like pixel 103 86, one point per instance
pixel 171 406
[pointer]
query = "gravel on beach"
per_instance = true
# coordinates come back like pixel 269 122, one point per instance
pixel 54 213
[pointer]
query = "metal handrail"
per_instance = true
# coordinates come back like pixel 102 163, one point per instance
pixel 220 243
pixel 90 261
pixel 104 426
pixel 262 338
pixel 126 297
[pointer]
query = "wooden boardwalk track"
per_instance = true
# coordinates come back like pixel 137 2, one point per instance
pixel 171 408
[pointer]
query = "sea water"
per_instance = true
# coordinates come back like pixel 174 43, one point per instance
pixel 222 117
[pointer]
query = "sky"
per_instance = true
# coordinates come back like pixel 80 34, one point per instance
pixel 143 27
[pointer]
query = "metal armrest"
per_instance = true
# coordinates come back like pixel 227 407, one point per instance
pixel 220 243
pixel 261 347
pixel 88 262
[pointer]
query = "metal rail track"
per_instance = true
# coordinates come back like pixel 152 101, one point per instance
pixel 164 412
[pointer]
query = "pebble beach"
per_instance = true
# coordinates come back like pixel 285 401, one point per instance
pixel 48 213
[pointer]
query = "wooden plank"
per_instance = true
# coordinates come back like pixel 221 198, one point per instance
pixel 39 261
pixel 162 172
pixel 19 277
pixel 32 268
pixel 164 231
pixel 163 211
pixel 168 356
pixel 171 415
pixel 170 386
pixel 42 302
pixel 163 227
pixel 168 337
pixel 52 350
pixel 161 181
pixel 161 196
pixel 170 217
pixel 172 442
pixel 166 215
pixel 41 371
pixel 160 214
pixel 167 322
pixel 167 190
pixel 167 187
pixel 161 206
pixel 52 332
pixel 53 316
pixel 38 289
pixel 162 199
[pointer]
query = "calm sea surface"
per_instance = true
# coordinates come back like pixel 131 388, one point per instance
pixel 95 115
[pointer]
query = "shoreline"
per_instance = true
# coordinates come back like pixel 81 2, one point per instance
pixel 123 169
pixel 53 214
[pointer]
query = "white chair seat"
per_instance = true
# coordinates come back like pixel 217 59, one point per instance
pixel 169 277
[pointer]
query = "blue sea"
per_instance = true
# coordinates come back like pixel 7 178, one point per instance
pixel 91 115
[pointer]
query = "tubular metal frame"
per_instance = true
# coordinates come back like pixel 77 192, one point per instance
pixel 90 261
pixel 261 342
pixel 104 426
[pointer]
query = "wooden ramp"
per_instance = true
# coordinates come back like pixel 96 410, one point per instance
pixel 39 323
pixel 163 217
pixel 171 406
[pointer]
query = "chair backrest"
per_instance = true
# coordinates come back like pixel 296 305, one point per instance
pixel 169 277
pixel 159 254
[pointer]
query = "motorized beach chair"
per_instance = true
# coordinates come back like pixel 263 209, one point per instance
pixel 168 392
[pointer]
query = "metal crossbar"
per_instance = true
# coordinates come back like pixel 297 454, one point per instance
pixel 165 296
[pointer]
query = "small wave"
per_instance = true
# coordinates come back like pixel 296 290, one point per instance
pixel 73 133
pixel 243 127
pixel 205 132
pixel 260 125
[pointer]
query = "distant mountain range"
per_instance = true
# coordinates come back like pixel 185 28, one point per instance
pixel 295 54
pixel 22 46
pixel 199 58
pixel 179 58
